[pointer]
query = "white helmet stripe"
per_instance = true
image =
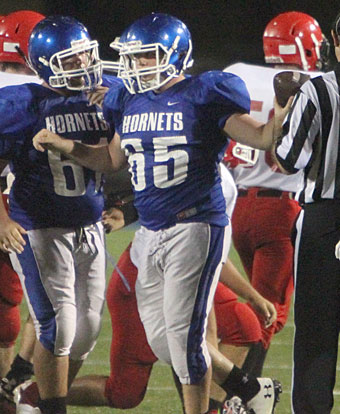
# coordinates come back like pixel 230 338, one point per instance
pixel 187 64
pixel 317 46
pixel 302 53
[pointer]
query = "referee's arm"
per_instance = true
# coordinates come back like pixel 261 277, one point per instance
pixel 293 149
pixel 284 167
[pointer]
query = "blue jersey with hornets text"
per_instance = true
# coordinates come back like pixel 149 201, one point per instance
pixel 174 143
pixel 50 190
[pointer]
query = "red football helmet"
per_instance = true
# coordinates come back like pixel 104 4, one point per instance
pixel 294 38
pixel 15 30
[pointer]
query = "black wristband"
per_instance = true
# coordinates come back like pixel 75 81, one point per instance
pixel 115 199
pixel 129 211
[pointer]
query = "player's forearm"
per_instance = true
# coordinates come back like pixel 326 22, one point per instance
pixel 246 130
pixel 267 134
pixel 95 157
pixel 231 277
pixel 271 131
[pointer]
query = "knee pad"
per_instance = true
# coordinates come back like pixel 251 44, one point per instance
pixel 10 323
pixel 237 324
pixel 87 331
pixel 69 331
pixel 160 348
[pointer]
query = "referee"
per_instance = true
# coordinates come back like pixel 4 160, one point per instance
pixel 311 141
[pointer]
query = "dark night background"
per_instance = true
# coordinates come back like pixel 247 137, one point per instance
pixel 223 31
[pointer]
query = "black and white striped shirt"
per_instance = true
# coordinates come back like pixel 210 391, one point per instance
pixel 311 138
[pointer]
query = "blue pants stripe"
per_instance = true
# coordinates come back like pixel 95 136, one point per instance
pixel 196 361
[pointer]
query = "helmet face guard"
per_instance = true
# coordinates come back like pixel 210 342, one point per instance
pixel 162 37
pixel 151 77
pixel 325 50
pixel 89 76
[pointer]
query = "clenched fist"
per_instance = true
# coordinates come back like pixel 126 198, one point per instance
pixel 48 140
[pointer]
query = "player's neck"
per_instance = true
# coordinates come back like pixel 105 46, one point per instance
pixel 61 91
pixel 171 83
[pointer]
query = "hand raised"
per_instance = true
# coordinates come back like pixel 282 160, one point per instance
pixel 96 97
pixel 48 140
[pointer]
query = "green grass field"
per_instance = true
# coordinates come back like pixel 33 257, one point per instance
pixel 161 396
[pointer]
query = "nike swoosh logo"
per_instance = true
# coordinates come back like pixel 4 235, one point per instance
pixel 172 103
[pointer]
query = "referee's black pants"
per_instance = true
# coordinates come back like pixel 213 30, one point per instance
pixel 316 307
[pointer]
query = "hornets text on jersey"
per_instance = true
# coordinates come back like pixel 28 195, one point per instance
pixel 174 143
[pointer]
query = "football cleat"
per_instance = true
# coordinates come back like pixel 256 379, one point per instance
pixel 6 389
pixel 265 400
pixel 26 398
pixel 234 406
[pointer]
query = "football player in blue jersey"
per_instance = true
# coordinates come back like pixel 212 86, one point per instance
pixel 171 129
pixel 55 204
pixel 15 29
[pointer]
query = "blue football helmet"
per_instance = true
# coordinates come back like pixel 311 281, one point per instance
pixel 161 36
pixel 57 39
